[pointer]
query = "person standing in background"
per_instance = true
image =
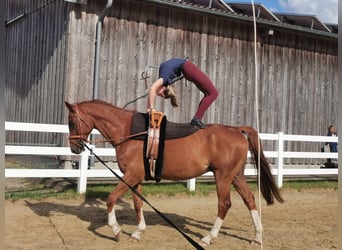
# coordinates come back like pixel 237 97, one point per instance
pixel 332 145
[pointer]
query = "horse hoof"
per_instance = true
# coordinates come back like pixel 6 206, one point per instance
pixel 133 239
pixel 136 236
pixel 117 235
pixel 204 244
pixel 255 242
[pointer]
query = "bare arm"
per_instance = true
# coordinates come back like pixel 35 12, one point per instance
pixel 154 89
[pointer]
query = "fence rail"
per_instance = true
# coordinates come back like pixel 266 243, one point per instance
pixel 83 172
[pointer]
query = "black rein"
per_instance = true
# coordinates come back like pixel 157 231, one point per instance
pixel 192 242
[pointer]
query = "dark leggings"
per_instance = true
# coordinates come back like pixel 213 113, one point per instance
pixel 192 73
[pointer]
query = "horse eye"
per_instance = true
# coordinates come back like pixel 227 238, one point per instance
pixel 71 125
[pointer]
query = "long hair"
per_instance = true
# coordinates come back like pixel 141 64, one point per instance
pixel 170 92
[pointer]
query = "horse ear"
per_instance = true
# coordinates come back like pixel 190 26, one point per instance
pixel 69 106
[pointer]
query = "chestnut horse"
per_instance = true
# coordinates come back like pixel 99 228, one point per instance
pixel 217 148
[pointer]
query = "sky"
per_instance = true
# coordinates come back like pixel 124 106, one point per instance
pixel 325 10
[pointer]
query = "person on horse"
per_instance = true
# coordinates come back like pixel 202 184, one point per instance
pixel 174 69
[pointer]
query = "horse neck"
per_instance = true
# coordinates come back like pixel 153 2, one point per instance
pixel 113 123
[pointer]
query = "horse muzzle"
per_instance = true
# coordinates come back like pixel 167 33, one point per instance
pixel 76 149
pixel 76 146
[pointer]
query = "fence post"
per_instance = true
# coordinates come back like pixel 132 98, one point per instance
pixel 280 159
pixel 82 180
pixel 191 184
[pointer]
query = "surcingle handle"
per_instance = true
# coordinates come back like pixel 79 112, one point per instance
pixel 156 118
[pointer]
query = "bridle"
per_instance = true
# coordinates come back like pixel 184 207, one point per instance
pixel 83 136
pixel 77 122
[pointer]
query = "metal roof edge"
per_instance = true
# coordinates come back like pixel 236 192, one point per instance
pixel 270 12
pixel 304 15
pixel 226 5
pixel 240 17
pixel 255 4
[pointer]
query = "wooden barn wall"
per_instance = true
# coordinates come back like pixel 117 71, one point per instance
pixel 35 59
pixel 297 74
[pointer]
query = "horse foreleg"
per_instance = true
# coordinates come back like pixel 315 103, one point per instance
pixel 247 195
pixel 120 189
pixel 138 204
pixel 112 222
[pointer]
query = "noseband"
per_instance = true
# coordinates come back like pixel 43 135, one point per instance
pixel 78 119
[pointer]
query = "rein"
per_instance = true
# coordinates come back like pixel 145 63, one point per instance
pixel 191 241
pixel 122 140
pixel 82 135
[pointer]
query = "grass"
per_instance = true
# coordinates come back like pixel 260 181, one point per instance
pixel 301 185
pixel 40 191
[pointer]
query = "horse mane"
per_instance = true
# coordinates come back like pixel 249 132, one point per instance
pixel 98 101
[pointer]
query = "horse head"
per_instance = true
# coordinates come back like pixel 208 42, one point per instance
pixel 80 127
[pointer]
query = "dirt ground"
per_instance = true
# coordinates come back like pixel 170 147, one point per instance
pixel 307 220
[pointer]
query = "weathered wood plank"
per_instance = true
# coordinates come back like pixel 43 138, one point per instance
pixel 51 53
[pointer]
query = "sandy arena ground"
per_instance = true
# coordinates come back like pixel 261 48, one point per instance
pixel 307 220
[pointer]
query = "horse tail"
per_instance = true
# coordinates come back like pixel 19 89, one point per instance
pixel 267 184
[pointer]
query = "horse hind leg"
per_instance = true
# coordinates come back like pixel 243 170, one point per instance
pixel 257 225
pixel 247 195
pixel 224 203
pixel 207 240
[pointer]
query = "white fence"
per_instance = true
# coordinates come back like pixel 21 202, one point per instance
pixel 83 172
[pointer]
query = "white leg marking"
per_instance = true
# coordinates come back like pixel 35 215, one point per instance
pixel 213 232
pixel 113 223
pixel 216 228
pixel 257 226
pixel 142 224
pixel 141 227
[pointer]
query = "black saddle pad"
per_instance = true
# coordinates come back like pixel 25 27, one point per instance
pixel 173 130
pixel 168 130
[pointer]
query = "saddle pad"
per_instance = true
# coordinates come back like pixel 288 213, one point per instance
pixel 173 130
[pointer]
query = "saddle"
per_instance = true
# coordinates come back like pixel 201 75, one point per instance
pixel 159 130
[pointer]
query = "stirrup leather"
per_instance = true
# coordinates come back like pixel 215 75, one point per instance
pixel 153 139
